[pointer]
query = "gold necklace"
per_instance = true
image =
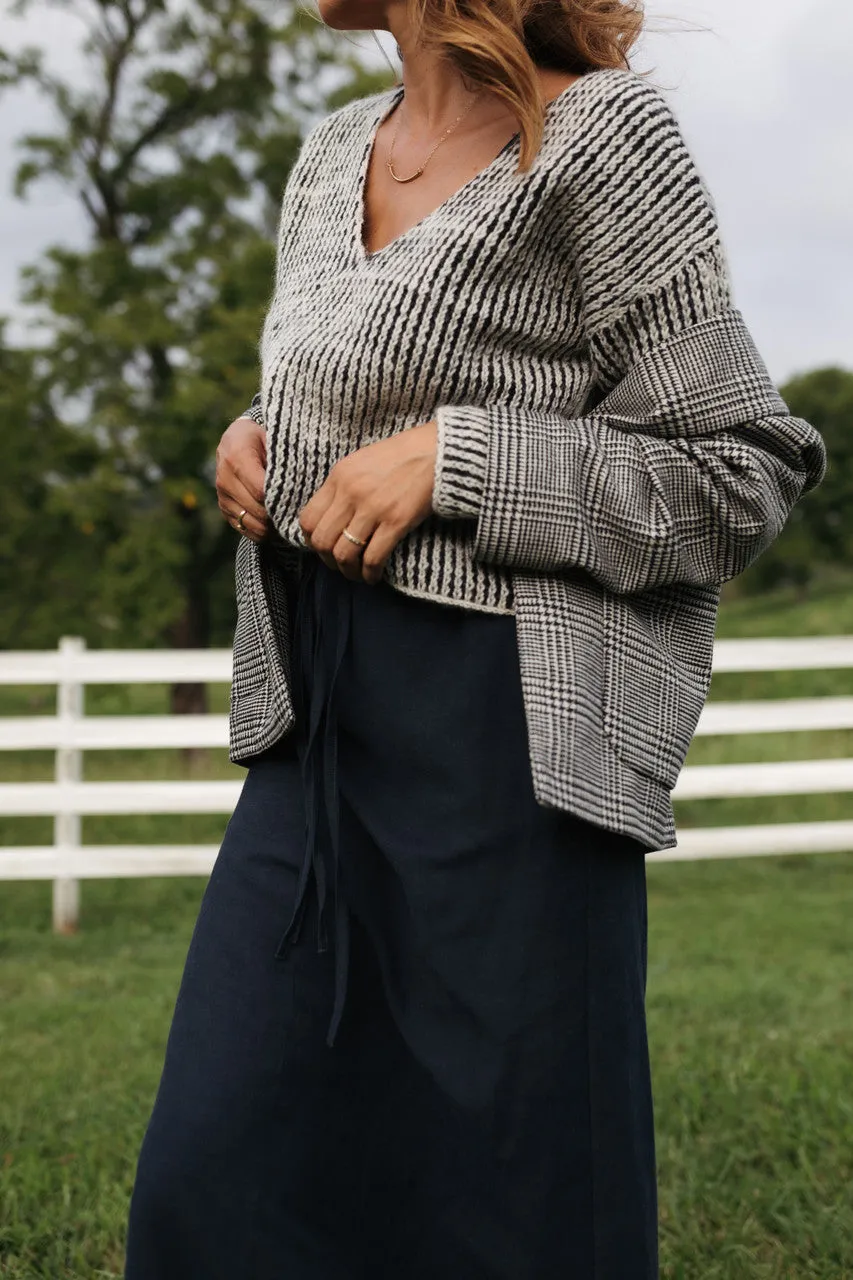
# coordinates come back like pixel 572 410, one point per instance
pixel 389 162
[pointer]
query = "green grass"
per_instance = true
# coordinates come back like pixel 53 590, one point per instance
pixel 750 1020
pixel 82 1023
pixel 750 995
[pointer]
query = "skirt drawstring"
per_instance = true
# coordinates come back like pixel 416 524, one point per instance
pixel 321 629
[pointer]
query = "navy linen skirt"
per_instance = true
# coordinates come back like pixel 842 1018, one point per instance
pixel 409 1042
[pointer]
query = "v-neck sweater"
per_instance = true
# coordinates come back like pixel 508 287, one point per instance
pixel 611 447
pixel 511 292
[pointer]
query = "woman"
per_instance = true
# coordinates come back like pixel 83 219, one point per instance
pixel 511 439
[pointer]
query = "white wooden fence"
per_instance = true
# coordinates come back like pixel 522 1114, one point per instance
pixel 71 732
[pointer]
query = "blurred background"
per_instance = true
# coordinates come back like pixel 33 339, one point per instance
pixel 144 145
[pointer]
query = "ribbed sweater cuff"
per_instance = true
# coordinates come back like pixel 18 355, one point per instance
pixel 460 461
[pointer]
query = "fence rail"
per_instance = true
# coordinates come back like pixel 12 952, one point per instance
pixel 70 733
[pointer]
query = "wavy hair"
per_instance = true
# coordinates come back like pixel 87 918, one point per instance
pixel 498 44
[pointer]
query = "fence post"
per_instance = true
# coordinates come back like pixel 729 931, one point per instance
pixel 69 768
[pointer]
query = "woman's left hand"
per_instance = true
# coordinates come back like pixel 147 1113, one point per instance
pixel 378 494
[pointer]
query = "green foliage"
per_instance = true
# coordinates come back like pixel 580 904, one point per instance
pixel 47 557
pixel 177 143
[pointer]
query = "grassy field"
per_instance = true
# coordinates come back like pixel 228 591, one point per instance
pixel 750 1000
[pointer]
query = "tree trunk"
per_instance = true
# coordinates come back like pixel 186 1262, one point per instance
pixel 192 631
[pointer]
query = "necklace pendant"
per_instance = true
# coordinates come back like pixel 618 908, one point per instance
pixel 411 176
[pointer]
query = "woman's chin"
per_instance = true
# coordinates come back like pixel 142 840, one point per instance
pixel 344 15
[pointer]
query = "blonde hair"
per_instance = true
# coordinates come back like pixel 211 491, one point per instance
pixel 498 44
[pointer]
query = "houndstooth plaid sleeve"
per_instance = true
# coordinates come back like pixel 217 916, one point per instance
pixel 691 462
pixel 254 410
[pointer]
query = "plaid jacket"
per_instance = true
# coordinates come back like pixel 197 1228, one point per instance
pixel 617 518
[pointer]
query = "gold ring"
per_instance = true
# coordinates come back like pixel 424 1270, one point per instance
pixel 358 541
pixel 239 520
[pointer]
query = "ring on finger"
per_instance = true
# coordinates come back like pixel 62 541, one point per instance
pixel 239 521
pixel 359 542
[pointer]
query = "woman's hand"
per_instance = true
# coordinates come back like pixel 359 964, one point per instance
pixel 378 493
pixel 241 460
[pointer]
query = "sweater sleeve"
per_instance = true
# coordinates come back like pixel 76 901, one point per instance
pixel 690 463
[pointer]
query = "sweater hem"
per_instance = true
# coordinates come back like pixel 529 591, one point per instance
pixel 451 600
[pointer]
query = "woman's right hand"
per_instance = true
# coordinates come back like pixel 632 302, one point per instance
pixel 241 459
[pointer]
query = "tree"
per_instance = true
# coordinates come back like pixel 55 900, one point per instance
pixel 48 555
pixel 177 146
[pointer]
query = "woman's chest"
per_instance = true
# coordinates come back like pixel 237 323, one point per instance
pixel 469 302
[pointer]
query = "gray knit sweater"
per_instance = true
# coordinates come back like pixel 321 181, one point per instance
pixel 520 289
pixel 611 448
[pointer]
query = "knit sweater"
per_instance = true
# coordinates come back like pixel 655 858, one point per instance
pixel 518 289
pixel 611 448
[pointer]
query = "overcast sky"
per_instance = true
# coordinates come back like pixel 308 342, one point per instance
pixel 764 98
